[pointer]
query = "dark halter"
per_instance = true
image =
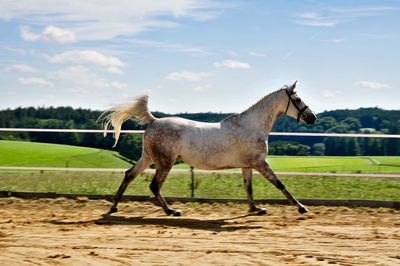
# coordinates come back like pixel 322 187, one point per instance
pixel 300 111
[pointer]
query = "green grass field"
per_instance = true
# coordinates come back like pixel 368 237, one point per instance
pixel 16 153
pixel 215 185
pixel 357 164
pixel 19 153
pixel 208 185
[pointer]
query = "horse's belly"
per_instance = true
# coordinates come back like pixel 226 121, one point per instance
pixel 211 161
pixel 204 165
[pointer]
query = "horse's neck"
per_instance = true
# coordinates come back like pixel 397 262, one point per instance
pixel 264 113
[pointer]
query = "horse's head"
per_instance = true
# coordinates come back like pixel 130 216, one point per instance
pixel 296 108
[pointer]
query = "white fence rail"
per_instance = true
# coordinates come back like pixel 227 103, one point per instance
pixel 297 134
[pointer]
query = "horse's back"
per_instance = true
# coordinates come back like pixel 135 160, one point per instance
pixel 176 131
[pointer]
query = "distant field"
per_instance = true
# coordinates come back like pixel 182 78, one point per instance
pixel 364 164
pixel 16 153
pixel 19 153
pixel 332 164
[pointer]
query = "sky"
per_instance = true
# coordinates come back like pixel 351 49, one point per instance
pixel 199 55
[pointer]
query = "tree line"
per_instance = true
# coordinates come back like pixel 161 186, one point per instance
pixel 363 120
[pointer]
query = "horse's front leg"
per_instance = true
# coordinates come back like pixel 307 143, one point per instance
pixel 267 172
pixel 247 178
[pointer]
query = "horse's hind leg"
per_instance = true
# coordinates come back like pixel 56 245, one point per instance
pixel 247 178
pixel 130 175
pixel 267 172
pixel 155 187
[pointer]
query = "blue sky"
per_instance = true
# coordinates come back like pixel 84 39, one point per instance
pixel 197 55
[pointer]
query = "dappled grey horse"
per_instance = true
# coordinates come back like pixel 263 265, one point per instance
pixel 239 141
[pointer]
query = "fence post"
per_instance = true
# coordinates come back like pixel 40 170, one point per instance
pixel 192 180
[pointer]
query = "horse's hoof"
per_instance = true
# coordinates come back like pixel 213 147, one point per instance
pixel 259 211
pixel 302 210
pixel 113 209
pixel 173 212
pixel 262 211
pixel 177 213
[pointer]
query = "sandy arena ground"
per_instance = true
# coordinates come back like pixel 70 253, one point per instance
pixel 75 232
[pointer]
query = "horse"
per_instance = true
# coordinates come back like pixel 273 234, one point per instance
pixel 238 141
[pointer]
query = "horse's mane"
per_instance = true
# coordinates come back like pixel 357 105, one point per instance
pixel 253 105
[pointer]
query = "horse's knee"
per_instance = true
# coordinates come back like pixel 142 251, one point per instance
pixel 128 178
pixel 128 172
pixel 154 187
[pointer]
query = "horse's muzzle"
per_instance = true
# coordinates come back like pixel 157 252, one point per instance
pixel 310 119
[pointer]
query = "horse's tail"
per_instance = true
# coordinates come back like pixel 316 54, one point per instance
pixel 117 115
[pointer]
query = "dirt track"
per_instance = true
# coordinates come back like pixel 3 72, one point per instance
pixel 74 232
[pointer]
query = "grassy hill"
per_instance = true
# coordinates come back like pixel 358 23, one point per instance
pixel 19 153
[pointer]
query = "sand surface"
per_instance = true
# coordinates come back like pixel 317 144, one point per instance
pixel 75 232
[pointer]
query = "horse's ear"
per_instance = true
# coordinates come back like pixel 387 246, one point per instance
pixel 291 88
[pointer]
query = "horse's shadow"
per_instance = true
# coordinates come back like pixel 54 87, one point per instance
pixel 215 225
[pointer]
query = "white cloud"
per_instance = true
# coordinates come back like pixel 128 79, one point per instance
pixel 103 20
pixel 256 54
pixel 50 33
pixel 35 81
pixel 316 20
pixel 175 47
pixel 309 15
pixel 85 78
pixel 232 64
pixel 199 89
pixel 330 94
pixel 78 91
pixel 18 51
pixel 365 11
pixel 318 23
pixel 334 16
pixel 337 40
pixel 88 57
pixel 372 84
pixel 187 76
pixel 232 53
pixel 115 70
pixel 20 68
pixel 118 85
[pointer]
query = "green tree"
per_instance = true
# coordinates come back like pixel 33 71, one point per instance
pixel 318 149
pixel 130 146
pixel 352 147
pixel 288 148
pixel 351 123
